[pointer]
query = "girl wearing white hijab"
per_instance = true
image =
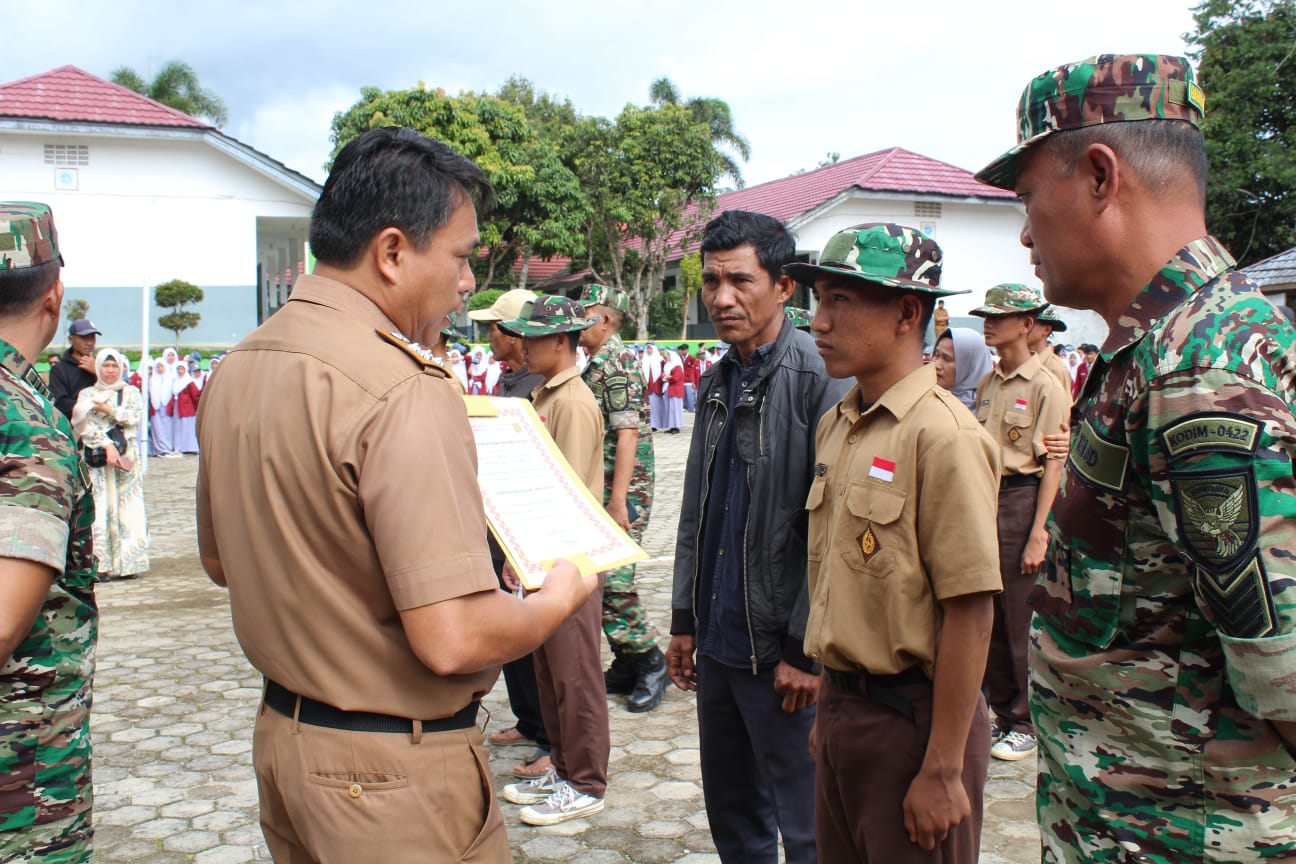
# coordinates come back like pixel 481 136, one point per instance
pixel 961 359
pixel 652 368
pixel 120 529
pixel 159 390
pixel 184 410
pixel 477 374
pixel 672 393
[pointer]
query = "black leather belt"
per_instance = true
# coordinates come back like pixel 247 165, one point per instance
pixel 882 689
pixel 314 713
pixel 1019 481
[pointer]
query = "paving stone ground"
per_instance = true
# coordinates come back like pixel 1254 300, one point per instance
pixel 175 700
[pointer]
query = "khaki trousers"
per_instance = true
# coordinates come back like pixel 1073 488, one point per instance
pixel 338 797
pixel 1007 672
pixel 573 699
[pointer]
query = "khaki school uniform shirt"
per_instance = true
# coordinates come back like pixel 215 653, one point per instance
pixel 575 422
pixel 902 516
pixel 1018 410
pixel 337 486
pixel 1058 369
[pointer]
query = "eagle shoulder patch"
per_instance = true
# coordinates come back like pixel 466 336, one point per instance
pixel 1217 514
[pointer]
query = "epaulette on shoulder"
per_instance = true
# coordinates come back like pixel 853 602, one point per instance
pixel 423 356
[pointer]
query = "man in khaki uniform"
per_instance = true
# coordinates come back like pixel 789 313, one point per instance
pixel 1046 324
pixel 1019 402
pixel 337 498
pixel 569 665
pixel 902 566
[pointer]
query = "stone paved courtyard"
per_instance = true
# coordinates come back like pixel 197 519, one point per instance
pixel 175 699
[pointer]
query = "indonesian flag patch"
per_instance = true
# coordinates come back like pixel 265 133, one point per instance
pixel 1020 404
pixel 882 469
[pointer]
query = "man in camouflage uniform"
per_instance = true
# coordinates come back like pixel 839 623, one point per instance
pixel 612 373
pixel 1164 637
pixel 48 620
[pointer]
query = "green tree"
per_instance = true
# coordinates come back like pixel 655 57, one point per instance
pixel 75 307
pixel 666 315
pixel 714 114
pixel 176 295
pixel 540 206
pixel 1246 54
pixel 651 180
pixel 689 282
pixel 176 85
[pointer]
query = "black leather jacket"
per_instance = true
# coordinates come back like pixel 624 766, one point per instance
pixel 776 421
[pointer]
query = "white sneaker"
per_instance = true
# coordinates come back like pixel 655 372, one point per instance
pixel 535 790
pixel 1014 746
pixel 565 803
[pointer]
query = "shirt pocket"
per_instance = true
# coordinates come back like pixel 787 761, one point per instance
pixel 816 539
pixel 872 535
pixel 1019 427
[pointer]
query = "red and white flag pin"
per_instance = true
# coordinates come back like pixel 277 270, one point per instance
pixel 883 469
pixel 1020 404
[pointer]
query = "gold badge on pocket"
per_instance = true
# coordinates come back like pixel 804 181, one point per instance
pixel 869 545
pixel 1014 435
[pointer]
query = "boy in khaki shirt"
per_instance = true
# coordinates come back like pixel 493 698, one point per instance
pixel 1019 402
pixel 569 665
pixel 903 565
pixel 1046 324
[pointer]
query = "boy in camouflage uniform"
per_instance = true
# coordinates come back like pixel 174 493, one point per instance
pixel 613 374
pixel 49 621
pixel 1164 634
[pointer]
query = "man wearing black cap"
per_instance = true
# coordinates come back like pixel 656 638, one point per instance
pixel 75 371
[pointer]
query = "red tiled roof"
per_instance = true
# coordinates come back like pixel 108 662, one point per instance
pixel 893 170
pixel 72 94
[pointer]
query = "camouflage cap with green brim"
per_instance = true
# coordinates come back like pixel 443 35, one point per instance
pixel 1049 317
pixel 547 315
pixel 799 317
pixel 1108 88
pixel 882 253
pixel 1010 298
pixel 602 295
pixel 28 237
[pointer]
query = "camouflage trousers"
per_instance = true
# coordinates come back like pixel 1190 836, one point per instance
pixel 66 841
pixel 625 623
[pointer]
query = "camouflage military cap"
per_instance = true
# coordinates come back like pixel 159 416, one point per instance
pixel 1049 317
pixel 546 315
pixel 602 295
pixel 506 307
pixel 1109 88
pixel 27 235
pixel 882 253
pixel 1010 299
pixel 799 317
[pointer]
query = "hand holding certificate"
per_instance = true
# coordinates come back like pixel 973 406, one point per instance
pixel 536 506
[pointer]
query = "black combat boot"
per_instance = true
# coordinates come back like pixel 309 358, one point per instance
pixel 650 686
pixel 619 678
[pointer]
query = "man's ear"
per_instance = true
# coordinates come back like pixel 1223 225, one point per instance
pixel 784 287
pixel 1101 171
pixel 53 301
pixel 387 250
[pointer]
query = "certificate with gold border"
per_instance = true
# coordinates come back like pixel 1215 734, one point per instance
pixel 536 506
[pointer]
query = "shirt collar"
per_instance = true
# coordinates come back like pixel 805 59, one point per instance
pixel 13 360
pixel 1026 370
pixel 1187 271
pixel 562 378
pixel 899 398
pixel 335 295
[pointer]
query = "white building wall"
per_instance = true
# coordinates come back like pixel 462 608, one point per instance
pixel 147 210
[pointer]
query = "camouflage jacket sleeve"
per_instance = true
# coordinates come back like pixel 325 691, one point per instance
pixel 37 494
pixel 1218 444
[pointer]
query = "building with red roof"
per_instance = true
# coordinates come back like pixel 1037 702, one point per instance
pixel 143 193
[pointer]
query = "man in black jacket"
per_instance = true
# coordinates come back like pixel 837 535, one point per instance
pixel 740 603
pixel 76 370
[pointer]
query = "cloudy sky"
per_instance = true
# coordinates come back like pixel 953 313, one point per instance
pixel 803 78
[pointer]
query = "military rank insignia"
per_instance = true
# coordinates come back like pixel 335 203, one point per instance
pixel 869 545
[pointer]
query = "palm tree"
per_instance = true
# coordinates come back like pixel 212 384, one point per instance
pixel 712 113
pixel 176 85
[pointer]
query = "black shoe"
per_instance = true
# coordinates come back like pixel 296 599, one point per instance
pixel 651 684
pixel 619 679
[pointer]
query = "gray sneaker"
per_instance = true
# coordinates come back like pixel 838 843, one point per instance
pixel 1014 746
pixel 565 803
pixel 535 790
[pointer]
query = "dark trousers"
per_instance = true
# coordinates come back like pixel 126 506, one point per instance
pixel 1006 670
pixel 523 692
pixel 573 699
pixel 867 755
pixel 757 774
